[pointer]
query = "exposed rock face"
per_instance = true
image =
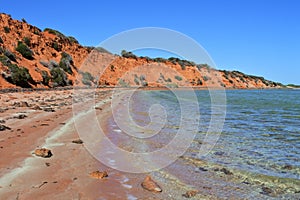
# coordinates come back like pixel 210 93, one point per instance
pixel 98 174
pixel 150 185
pixel 58 60
pixel 43 152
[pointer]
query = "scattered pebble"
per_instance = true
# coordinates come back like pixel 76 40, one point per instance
pixel 21 116
pixel 43 152
pixel 77 141
pixel 44 124
pixel 287 167
pixel 49 109
pixel 219 153
pixel 203 169
pixel 36 107
pixel 150 185
pixel 98 174
pixel 226 171
pixel 266 191
pixel 190 193
pixel 3 127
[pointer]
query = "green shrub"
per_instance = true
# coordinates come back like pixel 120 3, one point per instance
pixel 126 54
pixel 59 77
pixel 67 57
pixel 24 50
pixel 142 77
pixel 66 62
pixel 182 66
pixel 169 80
pixel 10 55
pixel 206 78
pixel 56 46
pixel 73 40
pixel 179 78
pixel 1 40
pixel 23 20
pixel 46 77
pixel 160 60
pixel 20 76
pixel 87 78
pixel 5 60
pixel 65 65
pixel 144 83
pixel 122 83
pixel 54 32
pixel 199 82
pixel 6 29
pixel 112 68
pixel 26 41
pixel 52 64
pixel 36 32
pixel 136 81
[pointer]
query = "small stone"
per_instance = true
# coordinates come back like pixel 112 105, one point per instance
pixel 202 169
pixel 266 191
pixel 190 193
pixel 21 104
pixel 98 174
pixel 24 104
pixel 77 141
pixel 287 167
pixel 3 127
pixel 44 124
pixel 150 185
pixel 21 116
pixel 36 107
pixel 43 152
pixel 226 171
pixel 49 109
pixel 219 153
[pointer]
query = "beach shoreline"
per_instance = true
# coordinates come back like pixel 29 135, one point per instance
pixel 45 119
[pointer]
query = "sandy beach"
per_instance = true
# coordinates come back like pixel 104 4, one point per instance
pixel 44 119
pixel 46 122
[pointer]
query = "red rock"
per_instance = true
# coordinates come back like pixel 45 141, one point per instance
pixel 150 185
pixel 43 152
pixel 98 174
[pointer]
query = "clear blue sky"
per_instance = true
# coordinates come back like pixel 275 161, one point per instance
pixel 259 37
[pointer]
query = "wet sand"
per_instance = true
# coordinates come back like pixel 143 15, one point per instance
pixel 48 122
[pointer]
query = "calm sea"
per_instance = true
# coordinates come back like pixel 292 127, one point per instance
pixel 260 135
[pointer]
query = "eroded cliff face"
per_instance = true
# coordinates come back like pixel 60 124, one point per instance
pixel 33 58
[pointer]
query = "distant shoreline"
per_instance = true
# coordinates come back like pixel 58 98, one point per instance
pixel 15 90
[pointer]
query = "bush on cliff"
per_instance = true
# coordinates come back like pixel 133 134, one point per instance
pixel 66 62
pixel 20 76
pixel 24 50
pixel 59 77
